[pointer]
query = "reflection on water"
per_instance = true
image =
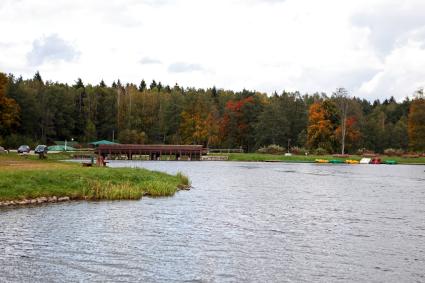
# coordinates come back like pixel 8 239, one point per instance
pixel 241 222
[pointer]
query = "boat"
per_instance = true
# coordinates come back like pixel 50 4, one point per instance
pixel 321 161
pixel 376 161
pixel 365 160
pixel 336 161
pixel 351 161
pixel 390 162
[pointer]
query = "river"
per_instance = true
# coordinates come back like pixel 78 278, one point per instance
pixel 241 222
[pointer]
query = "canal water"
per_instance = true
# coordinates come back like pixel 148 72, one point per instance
pixel 241 222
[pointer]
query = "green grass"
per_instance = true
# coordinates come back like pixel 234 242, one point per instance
pixel 310 158
pixel 28 179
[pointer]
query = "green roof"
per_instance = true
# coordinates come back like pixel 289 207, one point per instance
pixel 71 143
pixel 60 148
pixel 102 142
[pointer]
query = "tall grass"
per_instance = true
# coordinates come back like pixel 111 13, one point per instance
pixel 184 180
pixel 91 183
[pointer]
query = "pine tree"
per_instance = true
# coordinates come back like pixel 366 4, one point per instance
pixel 142 86
pixel 37 77
pixel 152 85
pixel 78 84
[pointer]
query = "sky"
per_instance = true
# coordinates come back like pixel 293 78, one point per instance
pixel 373 48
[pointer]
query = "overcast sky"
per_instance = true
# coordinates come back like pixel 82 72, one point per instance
pixel 374 48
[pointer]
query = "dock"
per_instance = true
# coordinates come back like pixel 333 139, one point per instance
pixel 152 151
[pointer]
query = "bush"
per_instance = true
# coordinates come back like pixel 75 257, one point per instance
pixel 298 150
pixel 272 149
pixel 363 151
pixel 320 151
pixel 393 152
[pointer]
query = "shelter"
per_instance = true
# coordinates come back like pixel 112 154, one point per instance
pixel 153 151
pixel 60 148
pixel 67 143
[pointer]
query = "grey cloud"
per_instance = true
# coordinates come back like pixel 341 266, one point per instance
pixel 181 67
pixel 149 61
pixel 158 2
pixel 6 45
pixel 51 48
pixel 391 24
pixel 315 79
pixel 271 1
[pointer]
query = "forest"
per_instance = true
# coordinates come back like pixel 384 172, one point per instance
pixel 34 111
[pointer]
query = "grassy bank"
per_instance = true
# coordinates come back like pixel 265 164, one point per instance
pixel 311 158
pixel 28 178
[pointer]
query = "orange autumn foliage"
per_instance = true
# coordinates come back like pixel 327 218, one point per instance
pixel 352 134
pixel 9 109
pixel 233 122
pixel 320 129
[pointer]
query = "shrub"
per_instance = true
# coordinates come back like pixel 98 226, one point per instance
pixel 393 152
pixel 272 149
pixel 320 151
pixel 298 150
pixel 363 151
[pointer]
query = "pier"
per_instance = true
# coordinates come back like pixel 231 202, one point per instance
pixel 152 152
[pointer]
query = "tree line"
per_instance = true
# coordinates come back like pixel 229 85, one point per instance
pixel 34 111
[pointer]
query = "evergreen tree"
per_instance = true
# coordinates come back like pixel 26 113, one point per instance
pixel 142 86
pixel 152 85
pixel 37 77
pixel 78 84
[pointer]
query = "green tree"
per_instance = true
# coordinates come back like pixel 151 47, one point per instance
pixel 142 86
pixel 90 131
pixel 416 123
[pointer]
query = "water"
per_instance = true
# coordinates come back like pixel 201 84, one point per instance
pixel 262 222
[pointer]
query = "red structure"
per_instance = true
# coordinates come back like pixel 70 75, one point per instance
pixel 189 152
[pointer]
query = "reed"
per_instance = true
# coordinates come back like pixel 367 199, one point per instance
pixel 33 179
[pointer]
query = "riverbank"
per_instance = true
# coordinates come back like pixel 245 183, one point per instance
pixel 27 180
pixel 311 158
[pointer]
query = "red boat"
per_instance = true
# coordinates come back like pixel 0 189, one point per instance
pixel 375 161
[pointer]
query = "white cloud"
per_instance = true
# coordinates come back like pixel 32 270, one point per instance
pixel 52 49
pixel 391 22
pixel 149 60
pixel 369 46
pixel 181 67
pixel 401 75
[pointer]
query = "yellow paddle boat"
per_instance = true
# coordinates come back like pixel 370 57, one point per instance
pixel 351 161
pixel 321 161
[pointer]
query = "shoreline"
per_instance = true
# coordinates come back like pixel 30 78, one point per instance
pixel 28 181
pixel 51 200
pixel 262 157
